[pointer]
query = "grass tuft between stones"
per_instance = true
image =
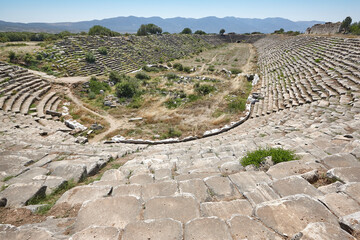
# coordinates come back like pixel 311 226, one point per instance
pixel 278 155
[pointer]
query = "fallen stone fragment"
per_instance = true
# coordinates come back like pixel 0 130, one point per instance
pixel 207 228
pixel 351 223
pixel 161 229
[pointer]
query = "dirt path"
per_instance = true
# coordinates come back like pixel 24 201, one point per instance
pixel 113 122
pixel 203 66
pixel 67 80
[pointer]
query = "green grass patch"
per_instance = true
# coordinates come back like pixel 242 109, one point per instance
pixel 7 178
pixel 278 155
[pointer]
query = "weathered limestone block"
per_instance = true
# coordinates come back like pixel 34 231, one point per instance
pixel 296 167
pixel 128 190
pixel 207 228
pixel 351 223
pixel 231 167
pixel 351 189
pixel 291 214
pixel 346 174
pixel 294 185
pixel 12 232
pixel 244 227
pixel 340 204
pixel 108 212
pixel 161 229
pixel 226 209
pixel 182 208
pixel 221 188
pixel 29 175
pixel 80 194
pixel 113 175
pixel 97 232
pixel 151 190
pixel 196 187
pixel 141 179
pixel 247 181
pixel 324 231
pixel 18 194
pixel 340 160
pixel 262 193
pixel 333 187
pixel 67 170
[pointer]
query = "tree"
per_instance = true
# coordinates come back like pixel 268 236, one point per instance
pixel 222 31
pixel 346 24
pixel 186 31
pixel 103 31
pixel 200 32
pixel 150 28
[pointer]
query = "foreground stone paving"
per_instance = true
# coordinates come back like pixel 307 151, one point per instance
pixel 198 189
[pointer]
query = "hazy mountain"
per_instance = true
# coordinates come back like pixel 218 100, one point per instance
pixel 172 25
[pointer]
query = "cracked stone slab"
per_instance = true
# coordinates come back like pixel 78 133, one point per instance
pixel 345 174
pixel 108 212
pixel 245 227
pixel 297 167
pixel 340 204
pixel 340 160
pixel 97 232
pixel 324 231
pixel 19 194
pixel 262 193
pixel 225 209
pixel 196 187
pixel 12 232
pixel 161 229
pixel 247 181
pixel 80 194
pixel 182 208
pixel 351 189
pixel 294 185
pixel 221 188
pixel 128 190
pixel 291 214
pixel 207 228
pixel 151 190
pixel 351 222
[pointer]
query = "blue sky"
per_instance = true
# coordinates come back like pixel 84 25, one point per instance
pixel 79 10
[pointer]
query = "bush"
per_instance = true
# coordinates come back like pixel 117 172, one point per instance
pixel 178 66
pixel 235 71
pixel 278 155
pixel 171 76
pixel 95 85
pixel 187 69
pixel 171 133
pixel 126 89
pixel 12 56
pixel 89 57
pixel 204 89
pixel 200 32
pixel 237 105
pixel 92 95
pixel 103 50
pixel 211 68
pixel 28 59
pixel 150 69
pixel 142 76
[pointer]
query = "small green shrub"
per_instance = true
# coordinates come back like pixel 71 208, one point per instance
pixel 178 66
pixel 204 89
pixel 142 76
pixel 92 95
pixel 96 86
pixel 318 60
pixel 126 89
pixel 12 56
pixel 187 69
pixel 171 76
pixel 278 155
pixel 235 71
pixel 211 68
pixel 89 57
pixel 171 133
pixel 103 50
pixel 237 105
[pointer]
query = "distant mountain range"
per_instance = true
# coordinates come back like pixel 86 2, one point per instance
pixel 172 25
